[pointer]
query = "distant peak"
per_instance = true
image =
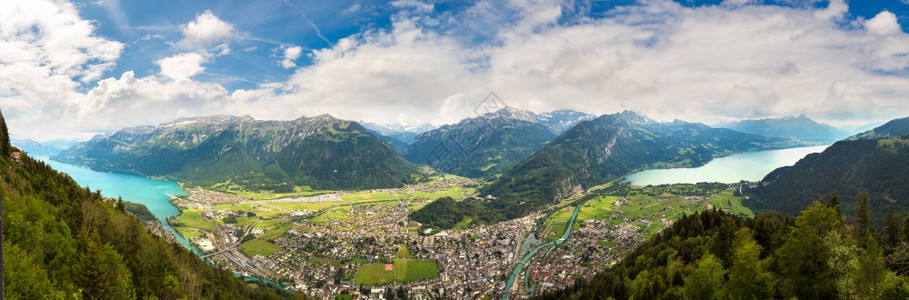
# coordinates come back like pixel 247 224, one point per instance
pixel 514 113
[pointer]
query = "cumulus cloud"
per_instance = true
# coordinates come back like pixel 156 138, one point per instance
pixel 884 23
pixel 205 30
pixel 182 66
pixel 291 54
pixel 706 64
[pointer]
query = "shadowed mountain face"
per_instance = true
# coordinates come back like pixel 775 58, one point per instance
pixel 800 127
pixel 876 162
pixel 481 146
pixel 319 152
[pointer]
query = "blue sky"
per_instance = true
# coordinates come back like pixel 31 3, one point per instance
pixel 74 69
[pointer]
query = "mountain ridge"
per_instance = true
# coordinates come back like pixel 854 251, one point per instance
pixel 321 152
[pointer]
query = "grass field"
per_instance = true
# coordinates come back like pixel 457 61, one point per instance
pixel 310 206
pixel 191 218
pixel 339 213
pixel 403 252
pixel 189 232
pixel 415 270
pixel 726 200
pixel 374 274
pixel 258 246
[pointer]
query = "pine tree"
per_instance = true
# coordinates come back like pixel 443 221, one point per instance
pixel 5 147
pixel 749 277
pixel 862 220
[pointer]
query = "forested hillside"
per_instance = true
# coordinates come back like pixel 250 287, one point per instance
pixel 62 241
pixel 879 167
pixel 716 255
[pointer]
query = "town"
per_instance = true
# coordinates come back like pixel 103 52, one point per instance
pixel 362 243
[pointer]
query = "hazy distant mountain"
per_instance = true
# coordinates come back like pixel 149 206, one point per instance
pixel 320 152
pixel 481 146
pixel 404 132
pixel 48 148
pixel 896 127
pixel 798 127
pixel 560 120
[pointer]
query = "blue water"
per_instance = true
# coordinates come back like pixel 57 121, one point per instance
pixel 155 194
pixel 750 166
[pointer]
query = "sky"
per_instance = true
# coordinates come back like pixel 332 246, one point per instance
pixel 73 69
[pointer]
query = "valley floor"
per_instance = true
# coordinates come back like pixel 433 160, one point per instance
pixel 362 242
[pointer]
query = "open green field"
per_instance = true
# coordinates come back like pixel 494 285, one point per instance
pixel 415 270
pixel 597 209
pixel 188 232
pixel 339 213
pixel 405 271
pixel 260 209
pixel 310 206
pixel 191 218
pixel 374 274
pixel 726 200
pixel 258 246
pixel 275 230
pixel 403 252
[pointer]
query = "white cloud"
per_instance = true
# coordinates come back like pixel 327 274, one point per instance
pixel 884 23
pixel 706 64
pixel 291 54
pixel 182 66
pixel 205 30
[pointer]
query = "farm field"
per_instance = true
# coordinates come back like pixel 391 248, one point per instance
pixel 374 274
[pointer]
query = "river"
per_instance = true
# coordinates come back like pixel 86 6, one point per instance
pixel 749 166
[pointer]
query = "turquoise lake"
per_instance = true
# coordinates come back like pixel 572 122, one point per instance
pixel 153 193
pixel 750 166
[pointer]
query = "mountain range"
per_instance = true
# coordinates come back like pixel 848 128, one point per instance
pixel 227 153
pixel 598 151
pixel 798 127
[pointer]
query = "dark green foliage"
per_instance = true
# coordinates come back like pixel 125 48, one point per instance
pixel 609 147
pixel 239 152
pixel 446 212
pixel 879 167
pixel 771 256
pixel 5 147
pixel 64 241
pixel 479 147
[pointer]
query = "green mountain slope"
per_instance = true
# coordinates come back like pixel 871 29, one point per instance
pixel 319 152
pixel 896 127
pixel 877 166
pixel 64 241
pixel 609 147
pixel 481 146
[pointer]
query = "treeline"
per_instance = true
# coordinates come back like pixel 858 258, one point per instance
pixel 717 255
pixel 61 241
